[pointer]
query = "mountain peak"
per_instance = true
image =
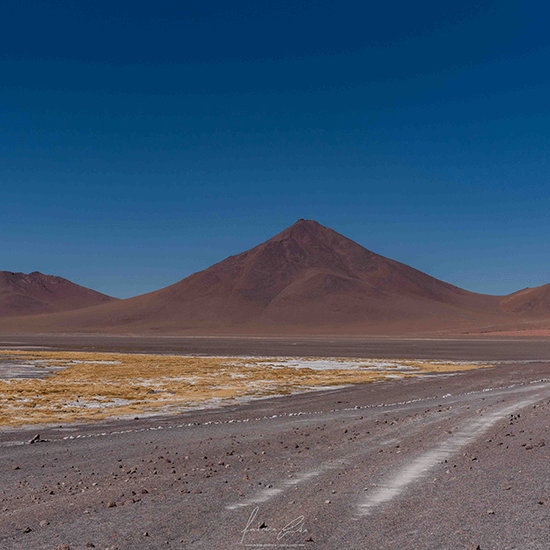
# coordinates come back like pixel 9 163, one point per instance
pixel 302 229
pixel 306 223
pixel 310 225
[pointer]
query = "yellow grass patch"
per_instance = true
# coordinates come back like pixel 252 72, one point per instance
pixel 98 385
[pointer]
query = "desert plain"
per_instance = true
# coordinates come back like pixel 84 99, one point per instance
pixel 274 442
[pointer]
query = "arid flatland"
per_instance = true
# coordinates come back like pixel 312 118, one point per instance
pixel 446 460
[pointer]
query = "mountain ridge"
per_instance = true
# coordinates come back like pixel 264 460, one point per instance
pixel 306 279
pixel 36 293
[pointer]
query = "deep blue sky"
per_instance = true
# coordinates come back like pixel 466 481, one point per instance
pixel 143 141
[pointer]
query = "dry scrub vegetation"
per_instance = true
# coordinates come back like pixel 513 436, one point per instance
pixel 98 385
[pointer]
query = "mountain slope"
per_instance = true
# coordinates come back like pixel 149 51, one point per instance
pixel 33 293
pixel 529 302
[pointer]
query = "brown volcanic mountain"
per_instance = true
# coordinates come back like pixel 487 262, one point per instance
pixel 306 279
pixel 22 294
pixel 529 302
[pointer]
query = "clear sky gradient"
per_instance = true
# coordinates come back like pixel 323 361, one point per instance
pixel 143 141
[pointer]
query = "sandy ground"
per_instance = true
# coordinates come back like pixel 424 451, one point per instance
pixel 468 348
pixel 445 461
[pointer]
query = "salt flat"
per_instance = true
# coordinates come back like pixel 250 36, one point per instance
pixel 63 386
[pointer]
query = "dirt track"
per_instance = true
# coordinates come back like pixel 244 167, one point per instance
pixel 447 462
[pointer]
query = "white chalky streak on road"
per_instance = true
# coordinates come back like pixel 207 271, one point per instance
pixel 419 467
pixel 270 492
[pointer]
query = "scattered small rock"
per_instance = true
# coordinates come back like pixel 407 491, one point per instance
pixel 44 522
pixel 111 504
pixel 90 545
pixel 27 530
pixel 15 467
pixel 63 547
pixel 490 512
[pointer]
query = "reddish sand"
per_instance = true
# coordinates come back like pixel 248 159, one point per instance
pixel 22 294
pixel 307 279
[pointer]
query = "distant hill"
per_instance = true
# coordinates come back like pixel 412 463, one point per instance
pixel 529 302
pixel 34 293
pixel 306 279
